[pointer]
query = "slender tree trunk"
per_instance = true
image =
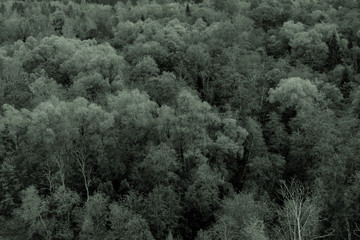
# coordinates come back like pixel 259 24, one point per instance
pixel 348 229
pixel 86 183
pixel 82 161
pixel 45 228
pixel 61 164
pixel 49 176
pixel 299 228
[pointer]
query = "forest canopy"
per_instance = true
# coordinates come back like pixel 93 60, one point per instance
pixel 165 119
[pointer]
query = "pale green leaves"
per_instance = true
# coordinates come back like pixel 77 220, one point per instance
pixel 309 48
pixel 294 92
pixel 33 210
pixel 126 225
pixel 132 108
pixel 159 166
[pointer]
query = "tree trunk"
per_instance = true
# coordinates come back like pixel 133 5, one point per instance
pixel 348 229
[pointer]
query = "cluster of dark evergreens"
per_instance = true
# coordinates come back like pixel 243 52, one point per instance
pixel 206 120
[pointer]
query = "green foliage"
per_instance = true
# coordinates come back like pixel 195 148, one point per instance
pixel 63 203
pixel 334 57
pixel 93 88
pixel 240 217
pixel 154 119
pixel 145 69
pixel 203 196
pixel 127 225
pixel 188 13
pixel 33 211
pixel 10 187
pixel 159 167
pixel 345 86
pixel 162 210
pixel 294 92
pixel 58 20
pixel 95 218
pixel 163 89
pixel 308 48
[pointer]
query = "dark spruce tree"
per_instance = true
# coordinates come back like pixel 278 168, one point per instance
pixel 188 10
pixel 356 59
pixel 142 18
pixel 2 8
pixel 334 57
pixel 345 87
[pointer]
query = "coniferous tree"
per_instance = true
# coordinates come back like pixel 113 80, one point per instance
pixel 142 18
pixel 334 57
pixel 2 8
pixel 356 59
pixel 345 83
pixel 188 10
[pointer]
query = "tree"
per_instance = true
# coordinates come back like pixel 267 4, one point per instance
pixel 92 130
pixel 145 69
pixel 230 7
pixel 13 126
pixel 2 8
pixel 197 63
pixel 264 172
pixel 50 127
pixel 9 188
pixel 48 54
pixel 356 103
pixel 162 210
pixel 295 93
pixel 94 88
pixel 351 197
pixel 134 114
pixel 159 167
pixel 15 83
pixel 33 211
pixel 356 59
pixel 43 88
pixel 138 51
pixel 300 215
pixel 127 225
pixel 310 126
pixel 345 84
pixel 189 130
pixel 203 197
pixel 163 89
pixel 334 55
pixel 62 205
pixel 240 217
pixel 308 48
pixel 85 27
pixel 104 61
pixel 58 21
pixel 94 223
pixel 268 16
pixel 188 13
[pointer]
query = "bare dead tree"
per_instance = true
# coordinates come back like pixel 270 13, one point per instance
pixel 49 174
pixel 300 215
pixel 61 161
pixel 83 162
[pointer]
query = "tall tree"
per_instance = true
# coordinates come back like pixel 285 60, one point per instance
pixel 33 211
pixel 300 214
pixel 9 187
pixel 188 13
pixel 345 86
pixel 127 224
pixel 334 55
pixel 95 219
